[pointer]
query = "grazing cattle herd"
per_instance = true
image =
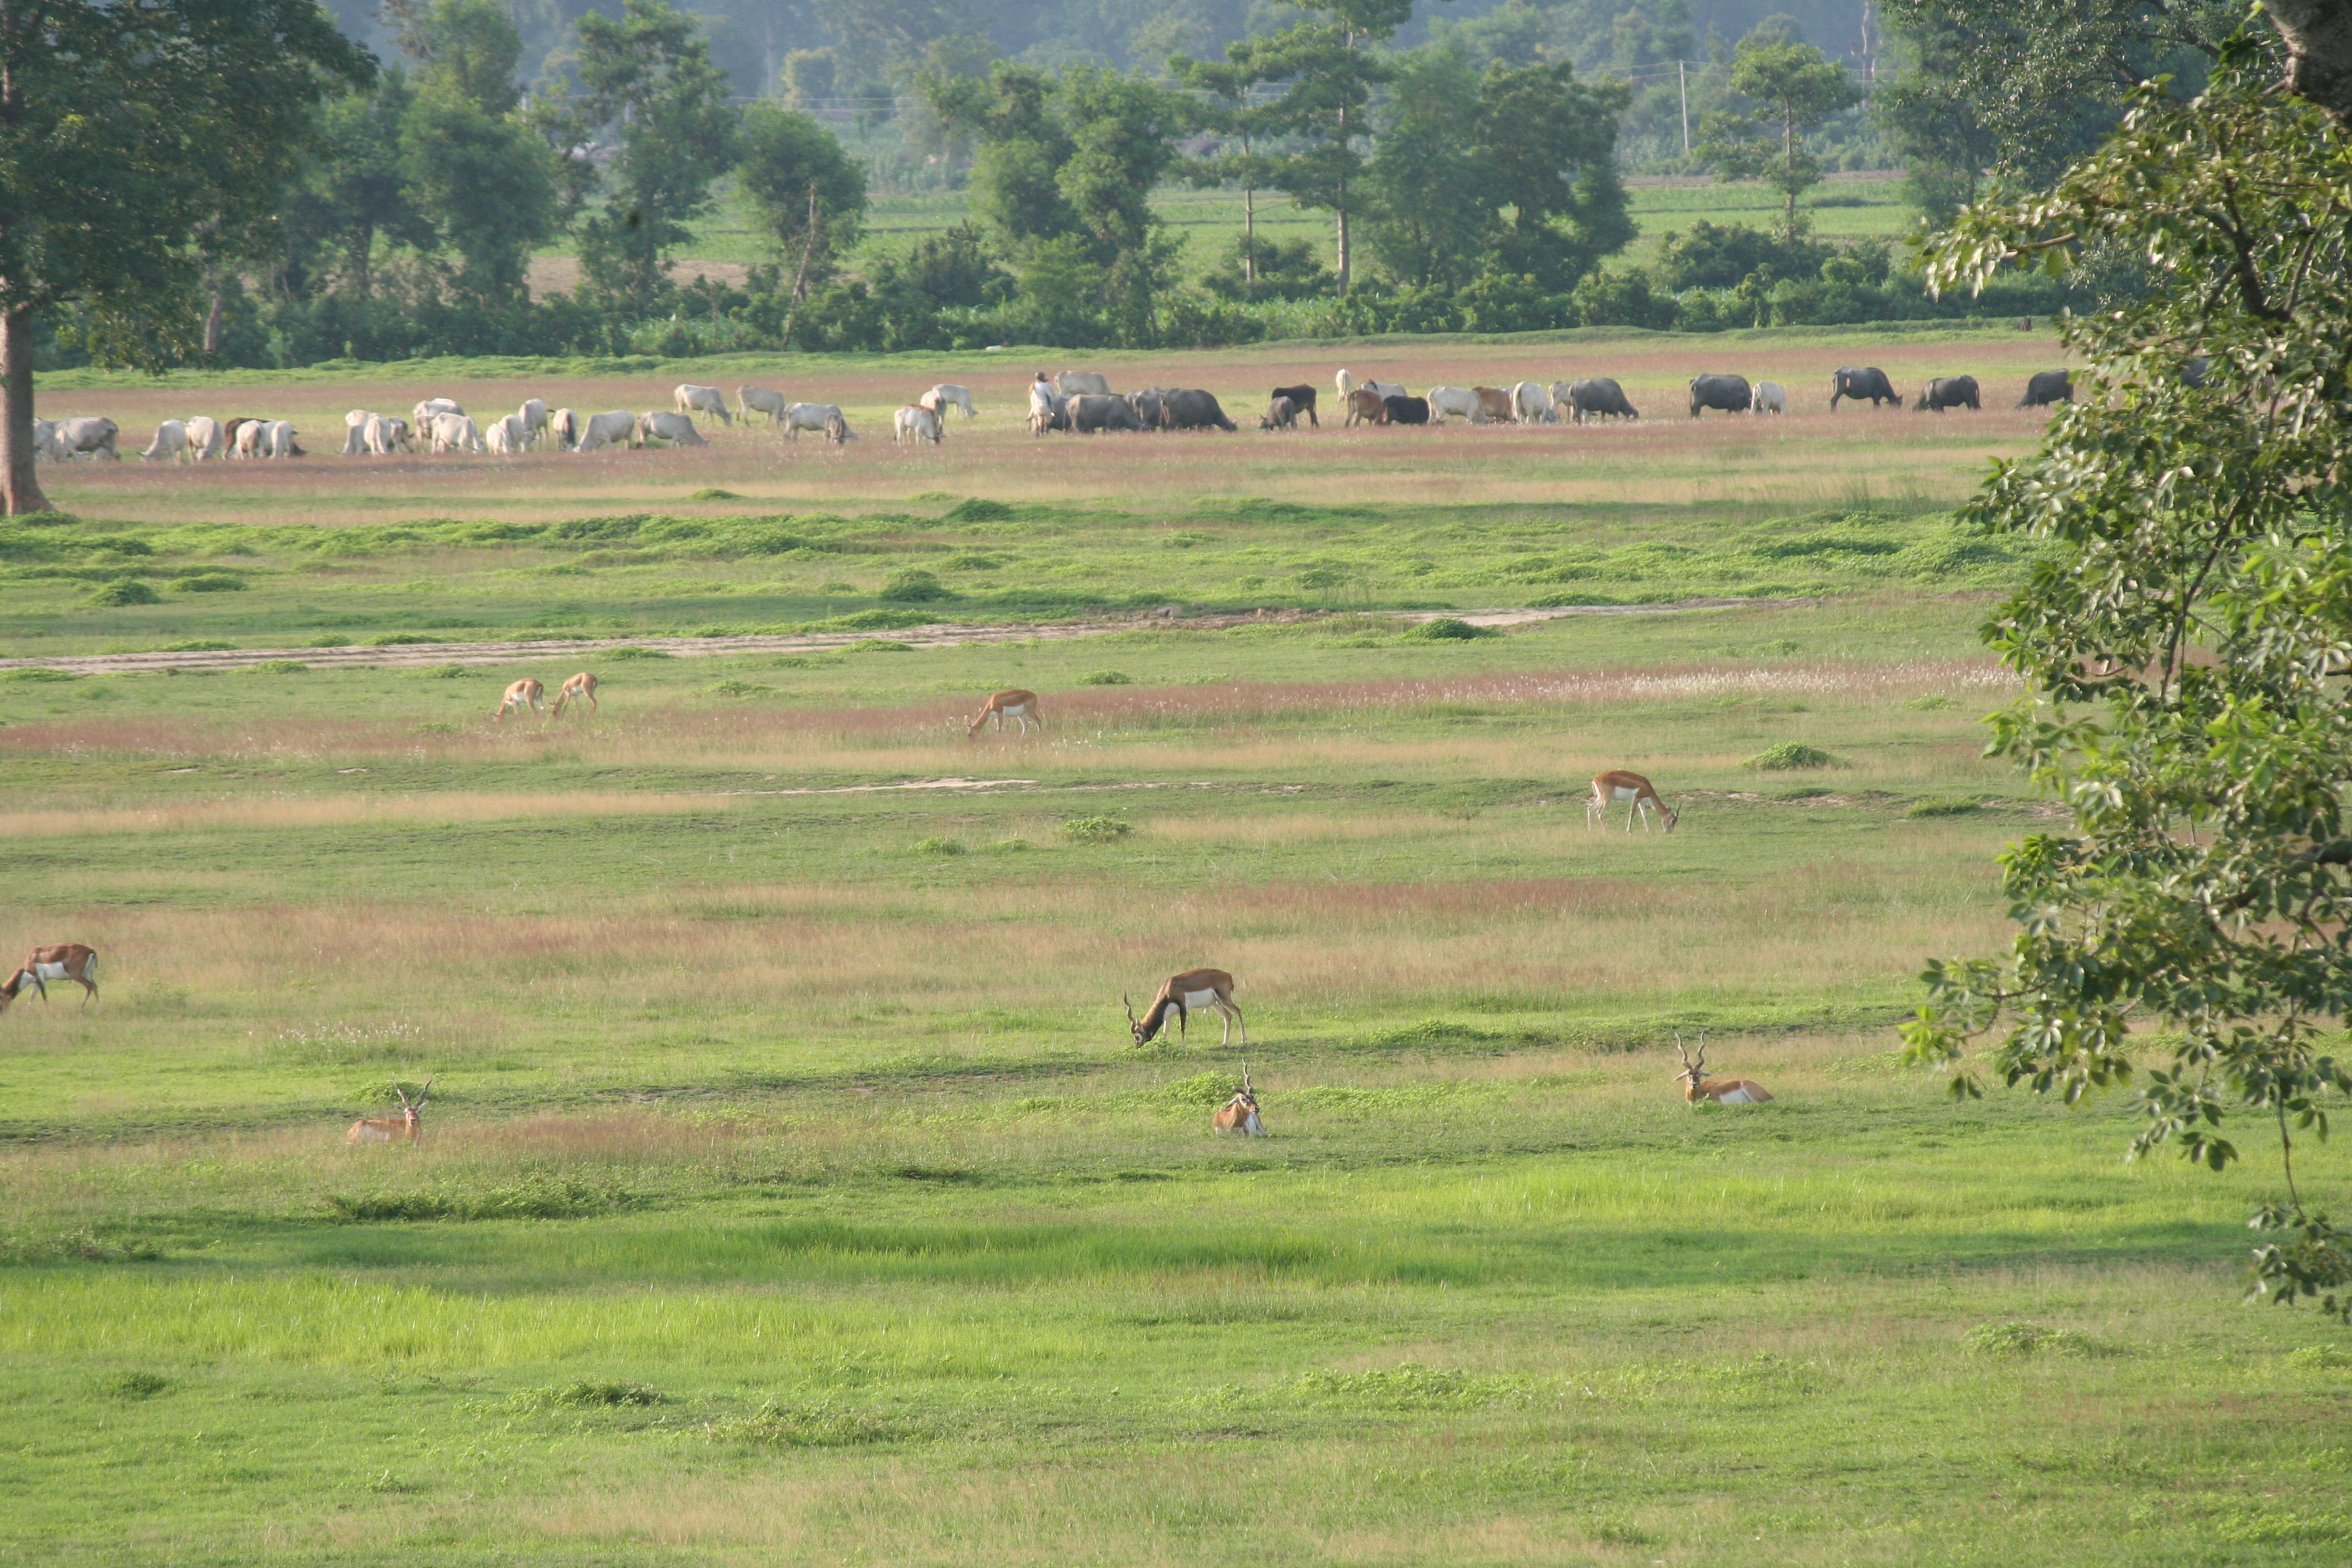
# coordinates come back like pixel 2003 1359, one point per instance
pixel 1078 403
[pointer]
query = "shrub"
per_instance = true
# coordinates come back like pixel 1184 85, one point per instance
pixel 2015 1340
pixel 979 510
pixel 740 688
pixel 125 591
pixel 712 492
pixel 1448 628
pixel 205 647
pixel 938 845
pixel 1096 829
pixel 913 585
pixel 879 645
pixel 1957 806
pixel 329 641
pixel 820 1425
pixel 399 639
pixel 635 652
pixel 1104 678
pixel 134 1385
pixel 533 1197
pixel 41 674
pixel 446 672
pixel 1929 704
pixel 209 583
pixel 1791 754
pixel 588 1395
pixel 278 666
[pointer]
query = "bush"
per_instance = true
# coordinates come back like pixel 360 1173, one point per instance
pixel 1096 829
pixel 1103 678
pixel 1955 806
pixel 209 583
pixel 979 510
pixel 2016 1340
pixel 634 652
pixel 821 1426
pixel 711 492
pixel 587 1396
pixel 913 585
pixel 207 647
pixel 40 674
pixel 125 591
pixel 278 667
pixel 936 846
pixel 1791 754
pixel 740 688
pixel 134 1385
pixel 1447 628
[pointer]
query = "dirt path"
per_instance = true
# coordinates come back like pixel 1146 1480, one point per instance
pixel 412 654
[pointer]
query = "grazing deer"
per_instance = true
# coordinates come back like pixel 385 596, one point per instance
pixel 524 693
pixel 1240 1113
pixel 1014 704
pixel 1193 988
pixel 65 960
pixel 1610 787
pixel 581 688
pixel 1697 1086
pixel 405 1128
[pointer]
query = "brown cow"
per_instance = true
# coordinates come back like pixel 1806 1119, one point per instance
pixel 1366 406
pixel 1496 406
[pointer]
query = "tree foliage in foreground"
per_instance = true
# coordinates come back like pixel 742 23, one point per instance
pixel 2187 638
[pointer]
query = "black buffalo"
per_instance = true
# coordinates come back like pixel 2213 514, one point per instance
pixel 2047 387
pixel 1949 392
pixel 1302 398
pixel 1190 409
pixel 1280 414
pixel 1146 404
pixel 1597 397
pixel 1092 412
pixel 1870 382
pixel 1406 410
pixel 1729 393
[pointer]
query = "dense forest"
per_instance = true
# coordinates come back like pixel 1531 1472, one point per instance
pixel 1466 162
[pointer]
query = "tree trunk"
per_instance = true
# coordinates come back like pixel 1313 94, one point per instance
pixel 20 489
pixel 2318 35
pixel 799 279
pixel 213 317
pixel 1249 242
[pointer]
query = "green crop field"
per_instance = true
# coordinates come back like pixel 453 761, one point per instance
pixel 791 1188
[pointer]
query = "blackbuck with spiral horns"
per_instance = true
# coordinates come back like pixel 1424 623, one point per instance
pixel 1193 988
pixel 1697 1086
pixel 1239 1114
pixel 65 960
pixel 405 1128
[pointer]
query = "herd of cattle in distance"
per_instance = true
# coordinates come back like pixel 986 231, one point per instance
pixel 1076 401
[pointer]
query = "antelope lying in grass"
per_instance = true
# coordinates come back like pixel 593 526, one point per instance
pixel 1013 704
pixel 524 693
pixel 581 688
pixel 1610 787
pixel 405 1128
pixel 1240 1113
pixel 1193 988
pixel 65 960
pixel 1697 1086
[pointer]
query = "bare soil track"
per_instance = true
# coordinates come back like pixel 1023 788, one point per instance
pixel 416 655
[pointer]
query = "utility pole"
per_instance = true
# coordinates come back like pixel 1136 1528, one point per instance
pixel 1681 80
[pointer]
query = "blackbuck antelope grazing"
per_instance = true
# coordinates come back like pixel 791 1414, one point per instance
pixel 1015 704
pixel 1239 1114
pixel 405 1128
pixel 1697 1086
pixel 1193 988
pixel 524 693
pixel 65 960
pixel 1610 787
pixel 581 688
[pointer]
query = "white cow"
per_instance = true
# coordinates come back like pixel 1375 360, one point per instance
pixel 170 441
pixel 533 414
pixel 91 434
pixel 1533 404
pixel 916 423
pixel 760 400
pixel 942 397
pixel 800 417
pixel 45 440
pixel 424 411
pixel 251 440
pixel 454 432
pixel 1044 408
pixel 1081 383
pixel 661 425
pixel 1347 384
pixel 355 432
pixel 565 426
pixel 507 436
pixel 383 436
pixel 603 431
pixel 689 399
pixel 1445 400
pixel 1771 398
pixel 204 438
pixel 277 439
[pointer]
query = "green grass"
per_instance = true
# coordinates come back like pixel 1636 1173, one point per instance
pixel 792 1190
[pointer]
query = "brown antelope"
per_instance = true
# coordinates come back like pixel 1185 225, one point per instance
pixel 524 693
pixel 1193 988
pixel 1697 1086
pixel 405 1128
pixel 65 960
pixel 581 688
pixel 1012 704
pixel 1610 787
pixel 1240 1113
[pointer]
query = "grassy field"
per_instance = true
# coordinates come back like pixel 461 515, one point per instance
pixel 792 1189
